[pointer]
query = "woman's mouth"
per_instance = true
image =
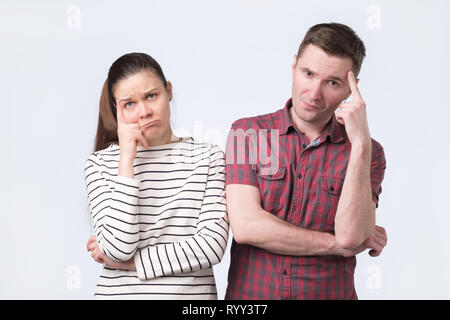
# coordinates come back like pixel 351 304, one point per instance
pixel 149 124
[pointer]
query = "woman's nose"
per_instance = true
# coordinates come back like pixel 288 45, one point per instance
pixel 145 110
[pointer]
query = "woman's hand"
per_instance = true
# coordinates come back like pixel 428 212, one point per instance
pixel 130 136
pixel 99 256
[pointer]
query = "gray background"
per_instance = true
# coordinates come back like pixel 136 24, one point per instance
pixel 226 60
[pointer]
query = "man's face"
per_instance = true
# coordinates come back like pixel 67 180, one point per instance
pixel 319 85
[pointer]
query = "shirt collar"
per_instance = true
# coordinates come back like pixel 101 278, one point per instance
pixel 285 120
pixel 333 129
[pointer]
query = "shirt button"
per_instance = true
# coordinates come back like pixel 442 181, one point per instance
pixel 304 146
pixel 299 175
pixel 331 188
pixel 284 272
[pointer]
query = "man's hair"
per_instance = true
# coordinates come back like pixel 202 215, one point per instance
pixel 338 40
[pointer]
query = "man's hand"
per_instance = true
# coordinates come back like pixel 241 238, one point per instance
pixel 376 243
pixel 353 115
pixel 100 257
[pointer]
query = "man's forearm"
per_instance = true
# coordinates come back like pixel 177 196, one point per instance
pixel 268 232
pixel 355 215
pixel 254 226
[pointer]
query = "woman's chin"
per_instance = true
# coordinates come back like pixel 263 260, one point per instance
pixel 154 138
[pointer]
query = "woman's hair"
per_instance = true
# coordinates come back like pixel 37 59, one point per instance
pixel 127 65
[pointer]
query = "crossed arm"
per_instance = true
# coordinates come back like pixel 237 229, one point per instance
pixel 203 249
pixel 252 225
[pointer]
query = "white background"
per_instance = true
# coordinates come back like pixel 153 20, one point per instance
pixel 226 60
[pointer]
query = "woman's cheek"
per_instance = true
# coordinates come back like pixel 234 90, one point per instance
pixel 131 116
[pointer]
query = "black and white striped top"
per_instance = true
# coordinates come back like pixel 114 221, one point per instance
pixel 171 218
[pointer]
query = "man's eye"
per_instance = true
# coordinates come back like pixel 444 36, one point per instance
pixel 333 83
pixel 308 73
pixel 151 96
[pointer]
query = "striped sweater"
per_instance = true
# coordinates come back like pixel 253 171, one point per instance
pixel 171 218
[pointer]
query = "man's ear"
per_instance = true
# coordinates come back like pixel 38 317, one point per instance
pixel 294 64
pixel 169 90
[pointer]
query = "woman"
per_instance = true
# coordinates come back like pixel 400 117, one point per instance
pixel 157 202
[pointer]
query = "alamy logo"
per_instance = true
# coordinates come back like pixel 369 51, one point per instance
pixel 259 149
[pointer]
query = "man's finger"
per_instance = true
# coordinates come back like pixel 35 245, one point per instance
pixel 374 253
pixel 380 242
pixel 356 95
pixel 381 233
pixel 339 115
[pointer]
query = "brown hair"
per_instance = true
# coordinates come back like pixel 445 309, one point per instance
pixel 127 65
pixel 338 40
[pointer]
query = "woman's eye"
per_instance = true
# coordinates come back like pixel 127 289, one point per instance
pixel 308 73
pixel 129 104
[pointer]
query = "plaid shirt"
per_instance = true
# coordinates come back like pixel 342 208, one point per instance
pixel 302 187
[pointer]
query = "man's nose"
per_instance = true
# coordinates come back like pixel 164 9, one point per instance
pixel 315 91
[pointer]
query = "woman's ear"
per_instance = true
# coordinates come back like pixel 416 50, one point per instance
pixel 169 90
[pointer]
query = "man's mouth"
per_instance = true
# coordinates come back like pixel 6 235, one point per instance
pixel 311 106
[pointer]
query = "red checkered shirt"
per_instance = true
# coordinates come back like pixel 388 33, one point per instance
pixel 301 185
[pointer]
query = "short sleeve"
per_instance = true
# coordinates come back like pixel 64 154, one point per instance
pixel 241 155
pixel 377 170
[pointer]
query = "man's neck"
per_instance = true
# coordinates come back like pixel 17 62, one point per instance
pixel 312 130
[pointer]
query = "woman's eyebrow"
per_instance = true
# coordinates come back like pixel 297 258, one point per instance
pixel 145 93
pixel 150 91
pixel 124 99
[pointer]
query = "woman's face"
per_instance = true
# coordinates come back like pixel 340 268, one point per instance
pixel 145 101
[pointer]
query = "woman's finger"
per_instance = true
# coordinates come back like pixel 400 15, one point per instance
pixel 92 239
pixel 143 141
pixel 120 117
pixel 98 255
pixel 92 246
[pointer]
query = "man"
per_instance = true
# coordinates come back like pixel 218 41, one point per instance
pixel 300 217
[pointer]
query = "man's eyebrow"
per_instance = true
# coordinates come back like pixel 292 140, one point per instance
pixel 306 69
pixel 335 78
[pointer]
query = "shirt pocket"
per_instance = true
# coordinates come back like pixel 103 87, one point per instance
pixel 332 185
pixel 330 188
pixel 272 187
